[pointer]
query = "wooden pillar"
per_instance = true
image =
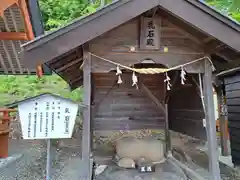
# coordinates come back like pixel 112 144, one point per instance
pixel 223 121
pixel 4 134
pixel 167 132
pixel 86 136
pixel 210 122
pixel 27 21
pixel 4 131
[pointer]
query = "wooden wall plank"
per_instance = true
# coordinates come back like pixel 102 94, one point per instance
pixel 232 88
pixel 233 101
pixel 13 36
pixel 232 79
pixel 115 45
pixel 185 110
pixel 233 94
pixel 125 106
pixel 233 109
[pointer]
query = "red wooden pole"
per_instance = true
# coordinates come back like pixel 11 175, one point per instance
pixel 4 133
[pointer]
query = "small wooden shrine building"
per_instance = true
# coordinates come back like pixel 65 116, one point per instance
pixel 150 45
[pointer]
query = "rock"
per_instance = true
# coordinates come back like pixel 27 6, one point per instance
pixel 141 161
pixel 154 149
pixel 149 148
pixel 129 147
pixel 100 169
pixel 126 163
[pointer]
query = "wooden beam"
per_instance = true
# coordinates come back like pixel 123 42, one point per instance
pixel 210 123
pixel 224 57
pixel 9 58
pixel 75 80
pixel 17 29
pixel 27 21
pixel 3 64
pixel 69 65
pixel 185 33
pixel 11 42
pixel 167 132
pixel 86 136
pixel 208 39
pixel 13 36
pixel 154 52
pixel 4 4
pixel 153 98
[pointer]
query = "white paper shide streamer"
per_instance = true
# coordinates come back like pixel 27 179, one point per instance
pixel 135 80
pixel 183 76
pixel 119 73
pixel 167 80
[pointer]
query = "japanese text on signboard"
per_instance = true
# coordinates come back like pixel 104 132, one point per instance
pixel 149 34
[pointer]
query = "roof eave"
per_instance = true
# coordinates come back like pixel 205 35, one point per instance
pixel 59 42
pixel 88 31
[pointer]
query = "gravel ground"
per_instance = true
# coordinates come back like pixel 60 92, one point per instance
pixel 66 164
pixel 33 162
pixel 165 171
pixel 198 160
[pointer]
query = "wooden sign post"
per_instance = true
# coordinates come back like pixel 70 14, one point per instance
pixel 47 117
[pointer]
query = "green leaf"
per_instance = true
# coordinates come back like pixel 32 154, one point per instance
pixel 57 13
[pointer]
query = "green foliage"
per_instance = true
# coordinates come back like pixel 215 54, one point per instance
pixel 60 12
pixel 15 88
pixel 228 7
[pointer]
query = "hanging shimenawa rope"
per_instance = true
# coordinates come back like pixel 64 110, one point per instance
pixel 154 70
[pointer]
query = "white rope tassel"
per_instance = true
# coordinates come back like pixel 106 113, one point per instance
pixel 167 80
pixel 183 76
pixel 119 80
pixel 135 80
pixel 119 72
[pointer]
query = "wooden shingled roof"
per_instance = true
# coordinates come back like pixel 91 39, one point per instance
pixel 15 30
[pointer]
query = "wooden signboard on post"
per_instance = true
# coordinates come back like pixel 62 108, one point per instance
pixel 149 37
pixel 47 117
